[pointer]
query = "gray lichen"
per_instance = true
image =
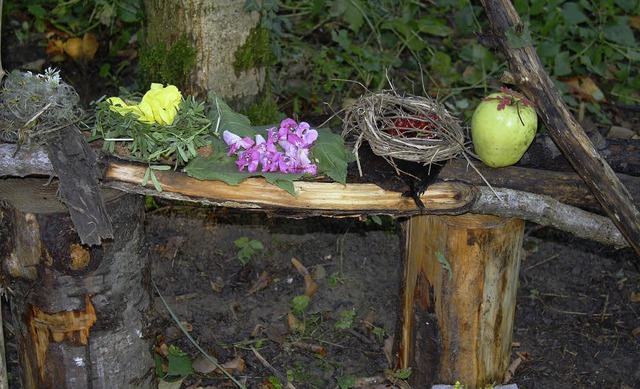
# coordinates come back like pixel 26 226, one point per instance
pixel 34 105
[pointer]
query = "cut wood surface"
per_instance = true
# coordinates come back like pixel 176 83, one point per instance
pixel 312 198
pixel 529 75
pixel 458 298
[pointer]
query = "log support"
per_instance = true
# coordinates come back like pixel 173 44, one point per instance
pixel 80 312
pixel 458 298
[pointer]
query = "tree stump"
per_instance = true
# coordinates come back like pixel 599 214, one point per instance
pixel 458 298
pixel 80 313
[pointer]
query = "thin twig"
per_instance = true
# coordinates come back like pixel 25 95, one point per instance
pixel 272 369
pixel 188 335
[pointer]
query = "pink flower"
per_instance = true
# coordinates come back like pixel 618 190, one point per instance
pixel 294 139
pixel 235 142
pixel 307 135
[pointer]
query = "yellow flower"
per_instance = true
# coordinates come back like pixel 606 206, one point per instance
pixel 159 105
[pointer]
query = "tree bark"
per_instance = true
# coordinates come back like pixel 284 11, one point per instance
pixel 566 187
pixel 528 73
pixel 80 313
pixel 217 29
pixel 623 155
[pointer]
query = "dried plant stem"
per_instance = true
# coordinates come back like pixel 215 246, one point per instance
pixel 272 369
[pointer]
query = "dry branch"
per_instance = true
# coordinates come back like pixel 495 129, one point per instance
pixel 528 73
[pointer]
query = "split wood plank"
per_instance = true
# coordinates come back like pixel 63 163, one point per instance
pixel 312 198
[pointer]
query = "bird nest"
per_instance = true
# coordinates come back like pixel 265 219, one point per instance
pixel 407 127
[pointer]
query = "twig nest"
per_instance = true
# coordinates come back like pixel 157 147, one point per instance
pixel 407 127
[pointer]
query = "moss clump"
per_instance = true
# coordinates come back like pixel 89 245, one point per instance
pixel 265 111
pixel 255 53
pixel 170 65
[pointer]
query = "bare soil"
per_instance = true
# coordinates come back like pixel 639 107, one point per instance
pixel 575 320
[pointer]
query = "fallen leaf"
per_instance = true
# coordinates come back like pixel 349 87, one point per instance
pixel 203 365
pixel 387 348
pixel 171 248
pixel 313 348
pixel 511 370
pixel 262 282
pixel 217 285
pixel 585 89
pixel 163 349
pixel 89 46
pixel 236 364
pixel 310 286
pixel 55 50
pixel 170 385
pixel 73 48
pixel 295 324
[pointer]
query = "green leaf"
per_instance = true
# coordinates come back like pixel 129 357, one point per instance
pixel 179 362
pixel 350 11
pixel 300 303
pixel 436 28
pixel 562 64
pixel 332 157
pixel 241 242
pixel 347 382
pixel 572 14
pixel 226 119
pixel 402 374
pixel 346 319
pixel 619 32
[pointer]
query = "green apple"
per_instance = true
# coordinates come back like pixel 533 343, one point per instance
pixel 503 127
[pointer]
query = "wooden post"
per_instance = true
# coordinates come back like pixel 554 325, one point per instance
pixel 458 297
pixel 80 312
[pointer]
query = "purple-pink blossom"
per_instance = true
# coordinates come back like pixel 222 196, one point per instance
pixel 286 149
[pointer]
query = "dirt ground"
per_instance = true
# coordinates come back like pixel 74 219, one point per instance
pixel 577 316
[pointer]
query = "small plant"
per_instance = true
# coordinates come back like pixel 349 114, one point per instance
pixel 346 319
pixel 347 382
pixel 177 367
pixel 248 248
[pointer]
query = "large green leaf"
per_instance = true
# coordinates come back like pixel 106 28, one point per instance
pixel 331 155
pixel 226 119
pixel 329 152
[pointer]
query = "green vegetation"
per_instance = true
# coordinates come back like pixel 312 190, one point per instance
pixel 170 65
pixel 248 248
pixel 333 50
pixel 256 51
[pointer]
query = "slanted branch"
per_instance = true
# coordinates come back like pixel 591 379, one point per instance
pixel 528 74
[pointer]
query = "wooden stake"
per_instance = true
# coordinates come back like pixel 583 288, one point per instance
pixel 458 298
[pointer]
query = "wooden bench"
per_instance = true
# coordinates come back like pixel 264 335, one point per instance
pixel 457 302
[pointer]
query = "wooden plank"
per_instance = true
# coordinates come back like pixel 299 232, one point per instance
pixel 458 298
pixel 312 198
